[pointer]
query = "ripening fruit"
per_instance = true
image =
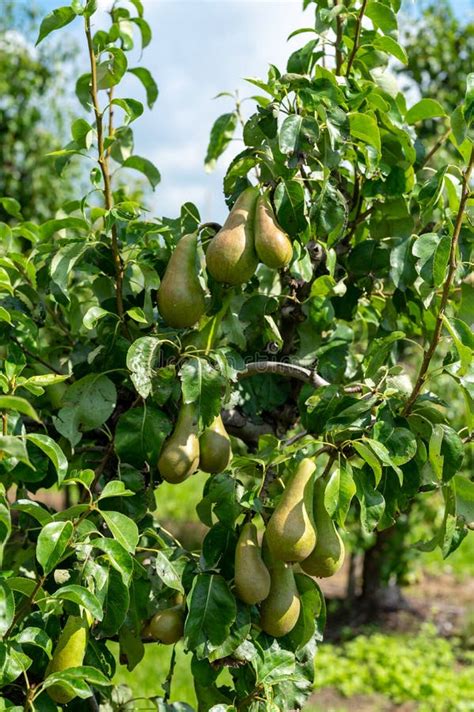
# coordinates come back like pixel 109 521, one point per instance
pixel 166 626
pixel 272 245
pixel 231 256
pixel 179 457
pixel 280 610
pixel 290 532
pixel 252 579
pixel 327 556
pixel 214 447
pixel 69 652
pixel 180 296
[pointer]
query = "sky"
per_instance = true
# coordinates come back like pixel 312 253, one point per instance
pixel 200 48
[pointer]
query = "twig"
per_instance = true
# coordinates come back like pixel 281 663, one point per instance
pixel 446 289
pixel 103 160
pixel 435 148
pixel 338 42
pixel 24 607
pixel 38 358
pixel 356 38
pixel 291 370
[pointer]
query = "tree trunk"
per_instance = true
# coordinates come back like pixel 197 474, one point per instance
pixel 379 595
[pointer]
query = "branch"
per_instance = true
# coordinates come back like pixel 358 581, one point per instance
pixel 356 38
pixel 291 370
pixel 446 289
pixel 338 42
pixel 435 148
pixel 103 160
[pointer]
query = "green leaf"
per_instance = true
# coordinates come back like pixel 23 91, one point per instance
pixel 365 128
pixel 312 603
pixel 5 526
pixel 170 571
pixel 464 491
pixel 33 509
pixel 222 133
pixel 115 488
pixel 290 134
pixel 372 503
pixel 140 434
pixel 82 597
pixel 111 70
pixel 132 108
pixel 145 77
pixel 7 607
pixel 141 357
pixel 93 316
pixel 53 451
pixel 469 100
pixel 115 599
pixel 56 19
pixel 424 109
pixel 290 206
pixel 12 207
pixel 145 30
pixel 212 610
pixel 53 540
pixel 14 446
pixel 20 405
pixel 339 492
pixel 204 386
pixel 370 458
pixel 391 46
pixel 382 16
pixel 143 165
pixel 123 529
pixel 463 340
pixel 118 556
pixel 37 637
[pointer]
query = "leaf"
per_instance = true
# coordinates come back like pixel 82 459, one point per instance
pixel 372 503
pixel 382 16
pixel 56 19
pixel 115 488
pixel 5 526
pixel 222 133
pixel 89 402
pixel 12 207
pixel 145 77
pixel 365 128
pixel 290 134
pixel 143 165
pixel 82 597
pixel 93 315
pixel 118 556
pixel 370 458
pixel 339 492
pixel 204 386
pixel 52 543
pixel 33 509
pixel 170 572
pixel 312 603
pixel 7 607
pixel 212 610
pixel 140 434
pixel 391 46
pixel 14 446
pixel 290 206
pixel 53 451
pixel 463 340
pixel 273 665
pixel 37 637
pixel 140 359
pixel 115 600
pixel 464 491
pixel 122 528
pixel 132 108
pixel 111 70
pixel 20 405
pixel 424 109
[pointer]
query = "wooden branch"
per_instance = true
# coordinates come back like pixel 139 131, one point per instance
pixel 452 264
pixel 435 148
pixel 356 38
pixel 103 160
pixel 291 370
pixel 338 42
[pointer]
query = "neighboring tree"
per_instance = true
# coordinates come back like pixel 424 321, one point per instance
pixel 33 108
pixel 283 327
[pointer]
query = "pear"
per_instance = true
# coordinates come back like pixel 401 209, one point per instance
pixel 214 447
pixel 290 532
pixel 166 626
pixel 179 457
pixel 272 245
pixel 180 296
pixel 280 610
pixel 69 653
pixel 252 579
pixel 327 556
pixel 231 256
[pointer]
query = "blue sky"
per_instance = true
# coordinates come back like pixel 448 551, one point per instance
pixel 200 48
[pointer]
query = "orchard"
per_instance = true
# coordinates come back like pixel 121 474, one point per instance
pixel 304 354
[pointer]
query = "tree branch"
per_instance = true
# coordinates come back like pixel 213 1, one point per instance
pixel 356 38
pixel 103 160
pixel 338 42
pixel 291 370
pixel 452 264
pixel 435 148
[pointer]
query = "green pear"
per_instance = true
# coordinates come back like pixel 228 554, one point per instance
pixel 179 457
pixel 327 556
pixel 280 610
pixel 214 447
pixel 252 579
pixel 166 626
pixel 231 256
pixel 272 245
pixel 290 532
pixel 180 296
pixel 69 652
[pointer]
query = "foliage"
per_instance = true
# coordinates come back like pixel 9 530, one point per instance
pixel 92 377
pixel 420 669
pixel 29 81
